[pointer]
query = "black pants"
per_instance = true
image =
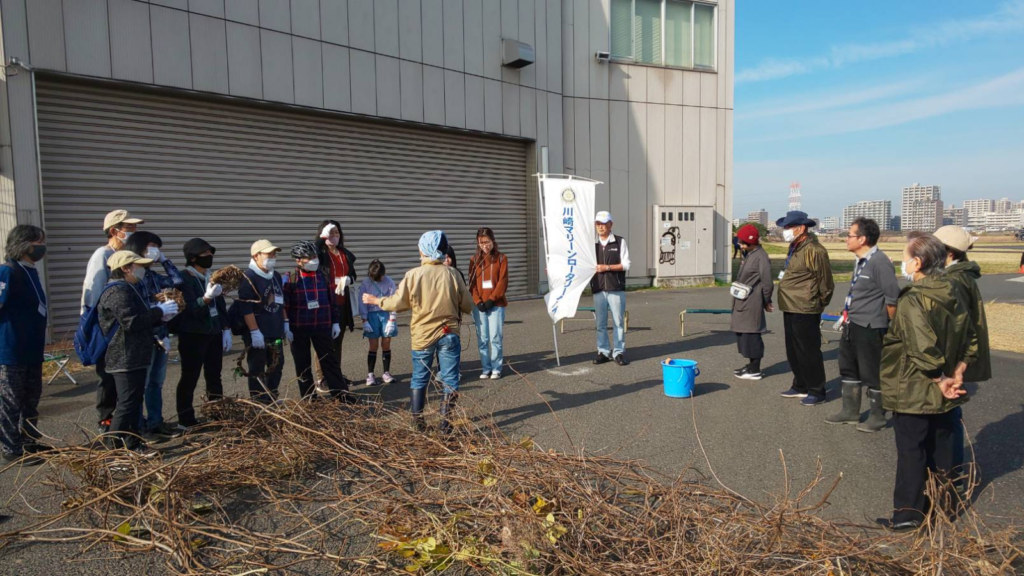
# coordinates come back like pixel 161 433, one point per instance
pixel 803 350
pixel 750 345
pixel 106 392
pixel 923 443
pixel 323 345
pixel 336 344
pixel 860 355
pixel 131 388
pixel 200 354
pixel 263 387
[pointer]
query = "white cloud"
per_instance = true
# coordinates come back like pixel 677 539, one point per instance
pixel 829 100
pixel 1009 17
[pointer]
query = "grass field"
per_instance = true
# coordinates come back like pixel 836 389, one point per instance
pixel 994 257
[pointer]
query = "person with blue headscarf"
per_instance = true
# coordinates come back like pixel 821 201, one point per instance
pixel 437 296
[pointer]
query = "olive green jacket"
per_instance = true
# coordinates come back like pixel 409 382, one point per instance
pixel 807 285
pixel 964 277
pixel 930 334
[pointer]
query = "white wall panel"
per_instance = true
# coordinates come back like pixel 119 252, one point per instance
pixel 730 62
pixel 618 135
pixel 243 11
pixel 492 106
pixel 569 133
pixel 637 86
pixel 556 154
pixel 618 190
pixel 309 72
pixel 527 27
pixel 528 112
pixel 245 69
pixel 543 138
pixel 691 88
pixel 639 207
pixel 602 199
pixel 510 19
pixel 87 37
pixel 656 85
pixel 599 134
pixel 433 33
pixel 46 34
pixel 334 21
pixel 581 124
pixel 722 21
pixel 567 32
pixel 656 153
pixel 179 4
pixel 210 54
pixel 540 28
pixel 600 19
pixel 454 38
pixel 673 155
pixel 473 22
pixel 492 38
pixel 674 87
pixel 337 78
pixel 389 91
pixel 385 26
pixel 433 95
pixel 278 66
pixel 691 155
pixel 510 109
pixel 410 32
pixel 475 119
pixel 364 82
pixel 306 18
pixel 454 99
pixel 213 8
pixel 581 47
pixel 708 90
pixel 708 155
pixel 172 53
pixel 554 45
pixel 275 15
pixel 131 47
pixel 360 24
pixel 412 91
pixel 618 81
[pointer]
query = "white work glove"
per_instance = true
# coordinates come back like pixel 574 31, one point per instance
pixel 391 328
pixel 288 332
pixel 169 308
pixel 213 290
pixel 225 340
pixel 345 283
pixel 257 339
pixel 326 232
pixel 335 330
pixel 166 343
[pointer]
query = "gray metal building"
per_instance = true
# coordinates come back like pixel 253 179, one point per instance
pixel 240 119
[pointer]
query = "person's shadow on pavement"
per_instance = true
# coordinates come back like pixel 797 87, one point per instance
pixel 997 449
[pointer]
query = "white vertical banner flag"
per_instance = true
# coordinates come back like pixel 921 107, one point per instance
pixel 569 227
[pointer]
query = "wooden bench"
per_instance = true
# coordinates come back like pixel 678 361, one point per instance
pixel 593 312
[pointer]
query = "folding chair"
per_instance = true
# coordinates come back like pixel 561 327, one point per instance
pixel 61 360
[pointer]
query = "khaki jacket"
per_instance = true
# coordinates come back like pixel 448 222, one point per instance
pixel 807 285
pixel 930 334
pixel 964 277
pixel 437 297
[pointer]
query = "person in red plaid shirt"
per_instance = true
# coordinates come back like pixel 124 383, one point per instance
pixel 315 321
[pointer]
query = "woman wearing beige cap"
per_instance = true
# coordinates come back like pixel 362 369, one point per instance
pixel 123 309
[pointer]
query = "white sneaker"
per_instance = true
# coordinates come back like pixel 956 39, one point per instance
pixel 388 378
pixel 371 380
pixel 485 375
pixel 496 375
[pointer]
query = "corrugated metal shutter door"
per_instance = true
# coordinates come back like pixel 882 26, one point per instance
pixel 232 174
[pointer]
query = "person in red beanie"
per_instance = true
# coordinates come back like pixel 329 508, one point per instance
pixel 752 297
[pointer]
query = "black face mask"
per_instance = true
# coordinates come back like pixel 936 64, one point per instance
pixel 204 261
pixel 38 251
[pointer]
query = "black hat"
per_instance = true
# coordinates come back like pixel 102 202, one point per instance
pixel 795 218
pixel 195 247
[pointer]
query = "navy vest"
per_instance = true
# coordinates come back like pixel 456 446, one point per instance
pixel 609 281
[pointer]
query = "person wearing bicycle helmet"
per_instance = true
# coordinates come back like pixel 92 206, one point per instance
pixel 315 318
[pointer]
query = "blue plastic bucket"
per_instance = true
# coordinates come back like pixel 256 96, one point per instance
pixel 679 377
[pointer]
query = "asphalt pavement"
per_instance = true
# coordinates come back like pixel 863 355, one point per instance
pixel 745 427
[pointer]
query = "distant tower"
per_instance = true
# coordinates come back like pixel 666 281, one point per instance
pixel 794 196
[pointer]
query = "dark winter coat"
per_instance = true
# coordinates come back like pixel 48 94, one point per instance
pixel 964 278
pixel 756 272
pixel 807 285
pixel 327 266
pixel 198 316
pixel 133 344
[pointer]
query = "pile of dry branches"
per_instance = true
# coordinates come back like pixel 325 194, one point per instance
pixel 358 490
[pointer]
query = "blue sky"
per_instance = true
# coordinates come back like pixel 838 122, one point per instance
pixel 857 99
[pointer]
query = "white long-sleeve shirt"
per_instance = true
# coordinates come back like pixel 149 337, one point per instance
pixel 96 276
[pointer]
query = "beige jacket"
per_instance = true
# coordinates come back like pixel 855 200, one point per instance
pixel 437 297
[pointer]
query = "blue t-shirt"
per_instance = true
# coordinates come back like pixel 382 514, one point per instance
pixel 22 315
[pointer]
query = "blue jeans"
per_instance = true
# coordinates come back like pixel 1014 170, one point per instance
pixel 616 302
pixel 449 355
pixel 490 326
pixel 154 395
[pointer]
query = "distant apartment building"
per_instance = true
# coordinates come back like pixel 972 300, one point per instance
pixel 1012 219
pixel 896 224
pixel 1004 205
pixel 759 216
pixel 878 210
pixel 922 208
pixel 830 223
pixel 951 215
pixel 976 211
pixel 736 222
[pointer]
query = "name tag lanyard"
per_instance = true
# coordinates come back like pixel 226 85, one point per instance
pixel 39 296
pixel 861 265
pixel 315 302
pixel 488 282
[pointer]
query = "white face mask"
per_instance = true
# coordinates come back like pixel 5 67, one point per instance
pixel 904 273
pixel 788 235
pixel 269 264
pixel 127 235
pixel 139 273
pixel 153 253
pixel 311 266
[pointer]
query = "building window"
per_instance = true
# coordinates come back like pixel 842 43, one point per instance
pixel 664 33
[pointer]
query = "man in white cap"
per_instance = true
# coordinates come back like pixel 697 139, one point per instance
pixel 609 288
pixel 118 226
pixel 261 300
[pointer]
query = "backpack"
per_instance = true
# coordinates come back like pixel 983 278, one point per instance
pixel 90 341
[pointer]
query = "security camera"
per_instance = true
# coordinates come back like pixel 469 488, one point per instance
pixel 603 57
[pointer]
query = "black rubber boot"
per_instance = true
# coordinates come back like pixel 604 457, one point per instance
pixel 447 407
pixel 850 413
pixel 419 400
pixel 876 418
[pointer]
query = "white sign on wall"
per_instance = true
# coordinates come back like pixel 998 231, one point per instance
pixel 571 257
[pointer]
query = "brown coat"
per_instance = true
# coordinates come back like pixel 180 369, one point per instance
pixel 495 270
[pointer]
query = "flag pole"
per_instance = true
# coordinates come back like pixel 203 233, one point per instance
pixel 544 229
